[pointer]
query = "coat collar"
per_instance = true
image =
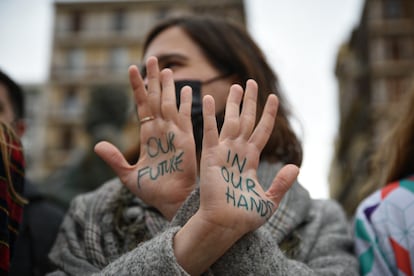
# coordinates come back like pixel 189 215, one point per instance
pixel 293 208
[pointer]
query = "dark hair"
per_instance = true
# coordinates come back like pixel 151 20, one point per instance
pixel 231 50
pixel 12 164
pixel 15 94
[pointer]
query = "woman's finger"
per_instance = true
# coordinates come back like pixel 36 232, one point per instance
pixel 282 183
pixel 264 128
pixel 231 126
pixel 184 115
pixel 153 86
pixel 210 136
pixel 140 93
pixel 248 113
pixel 168 102
pixel 114 158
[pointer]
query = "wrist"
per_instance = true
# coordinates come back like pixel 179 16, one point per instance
pixel 169 211
pixel 200 243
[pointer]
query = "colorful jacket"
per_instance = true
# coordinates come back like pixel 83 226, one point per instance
pixel 384 230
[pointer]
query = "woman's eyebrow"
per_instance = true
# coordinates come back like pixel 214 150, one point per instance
pixel 165 57
pixel 162 59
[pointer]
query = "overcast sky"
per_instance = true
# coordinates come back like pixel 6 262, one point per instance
pixel 299 37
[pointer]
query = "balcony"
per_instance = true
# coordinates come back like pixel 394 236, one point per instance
pixel 89 75
pixel 400 26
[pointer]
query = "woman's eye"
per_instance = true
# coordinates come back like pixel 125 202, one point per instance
pixel 171 65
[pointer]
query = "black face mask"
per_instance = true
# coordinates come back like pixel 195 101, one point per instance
pixel 197 107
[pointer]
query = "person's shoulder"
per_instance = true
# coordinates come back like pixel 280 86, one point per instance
pixel 397 190
pixel 390 199
pixel 393 191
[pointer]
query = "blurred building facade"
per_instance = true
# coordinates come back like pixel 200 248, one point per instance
pixel 33 140
pixel 374 69
pixel 93 44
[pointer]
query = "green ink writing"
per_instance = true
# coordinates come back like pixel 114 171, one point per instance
pixel 155 146
pixel 163 168
pixel 250 186
pixel 236 161
pixel 241 191
pixel 263 207
pixel 238 181
pixel 229 177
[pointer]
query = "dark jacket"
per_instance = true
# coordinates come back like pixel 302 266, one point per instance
pixel 41 221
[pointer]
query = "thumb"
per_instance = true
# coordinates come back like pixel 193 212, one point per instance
pixel 114 158
pixel 282 182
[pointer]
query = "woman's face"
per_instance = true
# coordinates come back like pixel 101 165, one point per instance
pixel 175 50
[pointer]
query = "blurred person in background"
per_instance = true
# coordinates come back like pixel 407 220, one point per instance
pixel 384 220
pixel 12 172
pixel 211 192
pixel 41 218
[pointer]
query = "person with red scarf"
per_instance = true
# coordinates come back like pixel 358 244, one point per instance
pixel 12 171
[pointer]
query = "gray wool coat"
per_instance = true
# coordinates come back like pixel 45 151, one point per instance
pixel 303 237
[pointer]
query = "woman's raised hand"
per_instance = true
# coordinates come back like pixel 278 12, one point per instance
pixel 166 171
pixel 231 195
pixel 232 201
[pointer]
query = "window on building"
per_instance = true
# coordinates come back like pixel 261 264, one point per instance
pixel 374 10
pixel 377 53
pixel 395 88
pixel 395 52
pixel 76 21
pixel 75 61
pixel 394 8
pixel 379 92
pixel 398 48
pixel 392 48
pixel 71 106
pixel 118 59
pixel 407 47
pixel 67 138
pixel 119 20
pixel 162 13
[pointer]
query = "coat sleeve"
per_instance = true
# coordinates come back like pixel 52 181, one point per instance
pixel 73 248
pixel 325 248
